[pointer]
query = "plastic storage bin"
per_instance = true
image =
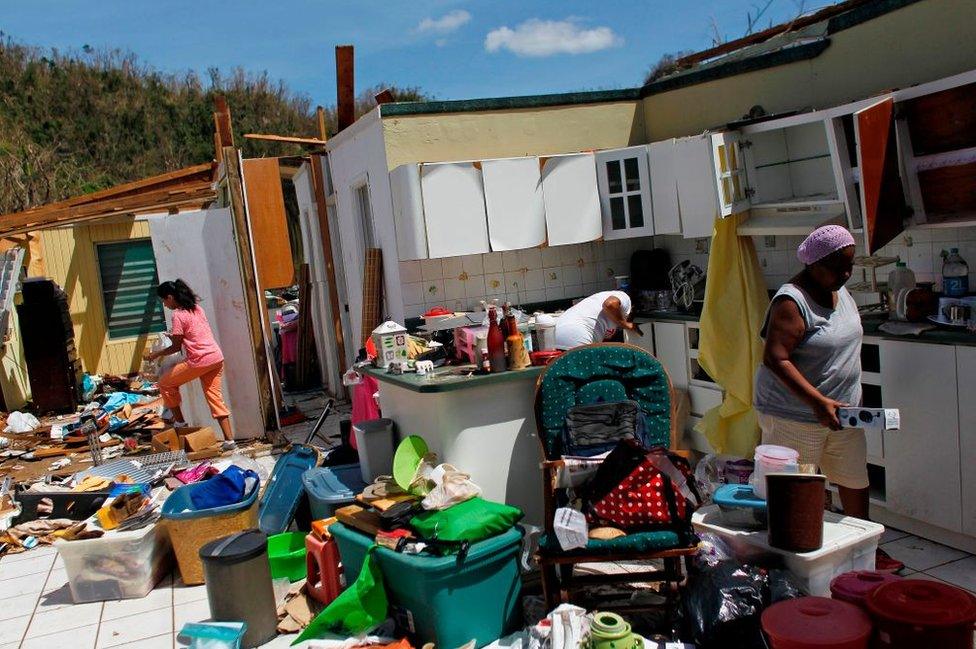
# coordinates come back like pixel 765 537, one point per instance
pixel 286 552
pixel 332 487
pixel 436 600
pixel 119 565
pixel 740 506
pixel 848 544
pixel 190 528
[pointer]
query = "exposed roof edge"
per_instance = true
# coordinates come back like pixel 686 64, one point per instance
pixel 509 103
pixel 863 13
pixel 787 55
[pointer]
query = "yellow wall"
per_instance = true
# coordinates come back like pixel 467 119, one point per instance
pixel 13 370
pixel 69 257
pixel 922 42
pixel 510 133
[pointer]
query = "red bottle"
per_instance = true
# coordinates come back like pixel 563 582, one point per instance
pixel 496 344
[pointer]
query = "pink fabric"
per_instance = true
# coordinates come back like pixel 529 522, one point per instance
pixel 289 346
pixel 199 346
pixel 822 242
pixel 364 406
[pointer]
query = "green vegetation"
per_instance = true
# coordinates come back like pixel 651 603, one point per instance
pixel 72 123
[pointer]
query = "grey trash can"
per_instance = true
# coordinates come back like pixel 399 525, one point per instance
pixel 239 588
pixel 374 441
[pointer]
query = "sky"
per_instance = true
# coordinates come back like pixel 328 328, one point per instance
pixel 451 49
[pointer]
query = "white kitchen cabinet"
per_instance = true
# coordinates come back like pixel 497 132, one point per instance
pixel 645 342
pixel 572 199
pixel 671 349
pixel 408 212
pixel 664 187
pixel 966 375
pixel 625 193
pixel 730 173
pixel 454 209
pixel 695 179
pixel 922 459
pixel 513 198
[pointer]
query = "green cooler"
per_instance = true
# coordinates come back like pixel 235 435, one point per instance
pixel 438 601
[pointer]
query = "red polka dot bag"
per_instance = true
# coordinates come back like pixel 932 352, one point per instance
pixel 637 489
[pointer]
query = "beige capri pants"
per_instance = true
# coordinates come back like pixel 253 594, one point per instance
pixel 841 454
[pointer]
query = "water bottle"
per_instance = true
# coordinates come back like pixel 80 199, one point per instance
pixel 901 278
pixel 955 274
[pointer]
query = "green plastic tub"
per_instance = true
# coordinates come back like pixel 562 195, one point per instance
pixel 435 600
pixel 286 552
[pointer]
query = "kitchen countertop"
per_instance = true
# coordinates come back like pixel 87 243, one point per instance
pixel 676 316
pixel 445 379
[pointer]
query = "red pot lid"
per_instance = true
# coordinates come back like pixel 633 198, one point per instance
pixel 437 312
pixel 922 603
pixel 858 584
pixel 815 622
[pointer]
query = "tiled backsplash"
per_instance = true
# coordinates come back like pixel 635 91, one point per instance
pixel 521 276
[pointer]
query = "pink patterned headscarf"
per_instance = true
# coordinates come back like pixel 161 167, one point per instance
pixel 822 242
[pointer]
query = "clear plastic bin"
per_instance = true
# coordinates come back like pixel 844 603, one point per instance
pixel 848 544
pixel 119 565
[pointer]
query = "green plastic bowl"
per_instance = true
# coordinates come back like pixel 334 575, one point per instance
pixel 286 552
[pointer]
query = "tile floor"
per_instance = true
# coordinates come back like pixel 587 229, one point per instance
pixel 37 609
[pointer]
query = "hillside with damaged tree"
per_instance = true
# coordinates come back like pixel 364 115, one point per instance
pixel 72 123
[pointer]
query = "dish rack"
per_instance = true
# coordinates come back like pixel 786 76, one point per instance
pixel 869 283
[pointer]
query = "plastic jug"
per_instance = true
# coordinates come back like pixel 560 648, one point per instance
pixel 955 274
pixel 900 279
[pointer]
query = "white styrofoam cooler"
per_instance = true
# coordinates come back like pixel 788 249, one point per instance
pixel 119 565
pixel 848 544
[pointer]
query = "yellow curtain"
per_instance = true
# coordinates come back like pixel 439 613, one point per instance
pixel 730 348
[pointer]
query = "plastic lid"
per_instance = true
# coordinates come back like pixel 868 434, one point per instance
pixel 738 495
pixel 407 458
pixel 778 453
pixel 856 585
pixel 923 603
pixel 236 547
pixel 335 483
pixel 814 622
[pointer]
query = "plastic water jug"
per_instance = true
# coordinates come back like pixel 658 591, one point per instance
pixel 955 274
pixel 900 279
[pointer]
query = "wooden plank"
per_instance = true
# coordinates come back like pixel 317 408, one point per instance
pixel 385 96
pixel 320 116
pixel 268 223
pixel 322 209
pixel 253 297
pixel 290 139
pixel 225 130
pixel 372 293
pixel 345 86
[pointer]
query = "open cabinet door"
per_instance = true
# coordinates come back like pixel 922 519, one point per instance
pixel 882 195
pixel 730 173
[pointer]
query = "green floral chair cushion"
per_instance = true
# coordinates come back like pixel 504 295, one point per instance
pixel 603 372
pixel 637 542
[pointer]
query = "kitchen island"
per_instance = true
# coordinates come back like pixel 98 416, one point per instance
pixel 482 424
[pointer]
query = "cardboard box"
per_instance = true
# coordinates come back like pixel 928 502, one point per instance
pixel 189 439
pixel 879 419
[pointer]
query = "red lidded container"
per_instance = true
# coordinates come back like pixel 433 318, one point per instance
pixel 913 613
pixel 816 623
pixel 855 586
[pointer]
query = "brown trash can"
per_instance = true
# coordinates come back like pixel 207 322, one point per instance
pixel 795 510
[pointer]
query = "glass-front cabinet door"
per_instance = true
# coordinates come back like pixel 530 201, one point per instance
pixel 625 192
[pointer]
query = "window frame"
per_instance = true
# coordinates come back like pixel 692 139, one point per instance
pixel 106 320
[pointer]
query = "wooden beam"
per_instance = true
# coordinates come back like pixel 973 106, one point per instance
pixel 385 96
pixel 254 300
pixel 320 115
pixel 285 138
pixel 345 86
pixel 268 223
pixel 225 131
pixel 322 208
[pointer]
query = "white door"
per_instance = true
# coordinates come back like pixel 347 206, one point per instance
pixel 697 201
pixel 966 373
pixel 730 173
pixel 625 193
pixel 572 199
pixel 671 349
pixel 922 466
pixel 513 198
pixel 454 209
pixel 664 187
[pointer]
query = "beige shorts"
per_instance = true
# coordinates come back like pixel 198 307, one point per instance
pixel 842 455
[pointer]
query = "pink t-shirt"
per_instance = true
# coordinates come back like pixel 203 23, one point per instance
pixel 199 346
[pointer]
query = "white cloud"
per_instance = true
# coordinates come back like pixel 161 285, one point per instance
pixel 446 23
pixel 547 37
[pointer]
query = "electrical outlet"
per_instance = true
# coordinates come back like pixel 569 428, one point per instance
pixel 769 241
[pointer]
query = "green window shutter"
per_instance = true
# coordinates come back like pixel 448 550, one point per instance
pixel 129 279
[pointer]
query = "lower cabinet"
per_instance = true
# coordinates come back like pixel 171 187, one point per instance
pixel 966 375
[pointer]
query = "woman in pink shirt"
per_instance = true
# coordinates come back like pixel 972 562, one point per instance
pixel 202 357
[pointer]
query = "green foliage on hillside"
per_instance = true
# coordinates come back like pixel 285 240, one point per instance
pixel 72 123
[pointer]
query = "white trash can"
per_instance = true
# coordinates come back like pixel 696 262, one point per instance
pixel 374 439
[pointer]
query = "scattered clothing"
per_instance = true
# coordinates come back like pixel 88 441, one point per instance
pixel 587 322
pixel 199 346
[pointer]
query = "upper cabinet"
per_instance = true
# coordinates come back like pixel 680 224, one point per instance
pixel 664 187
pixel 696 182
pixel 625 192
pixel 572 200
pixel 454 209
pixel 514 202
pixel 408 212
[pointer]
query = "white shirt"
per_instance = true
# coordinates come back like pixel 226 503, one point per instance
pixel 586 322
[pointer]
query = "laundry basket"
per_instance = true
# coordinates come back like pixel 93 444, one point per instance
pixel 191 528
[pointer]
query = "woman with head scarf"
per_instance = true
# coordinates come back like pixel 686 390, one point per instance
pixel 812 366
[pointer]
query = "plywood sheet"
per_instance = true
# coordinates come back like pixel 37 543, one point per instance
pixel 198 247
pixel 514 202
pixel 269 225
pixel 454 209
pixel 572 199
